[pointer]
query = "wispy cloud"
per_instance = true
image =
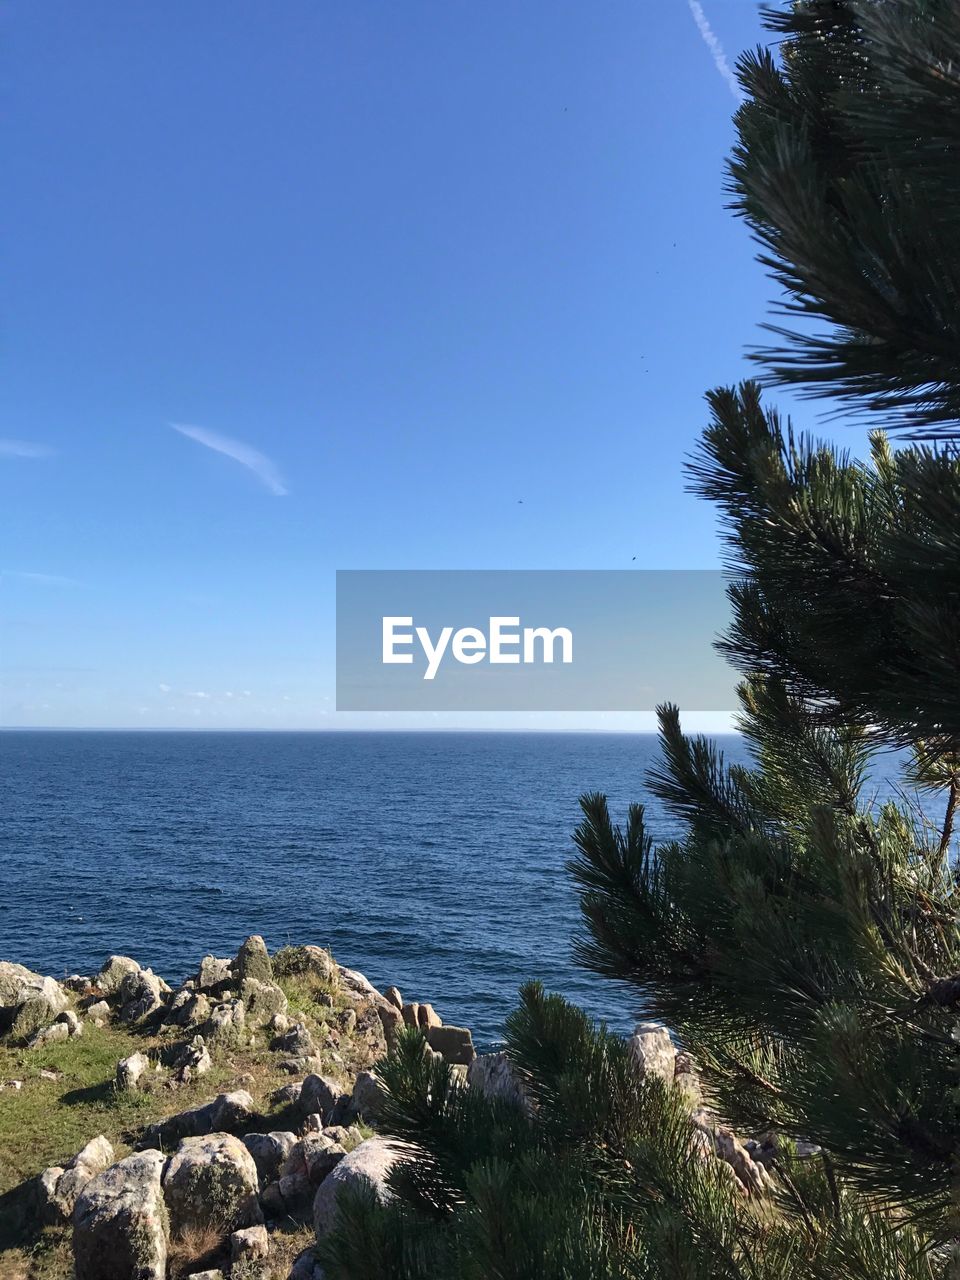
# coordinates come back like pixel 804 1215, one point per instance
pixel 24 449
pixel 715 47
pixel 45 579
pixel 262 467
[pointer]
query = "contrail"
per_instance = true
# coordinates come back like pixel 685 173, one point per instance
pixel 715 47
pixel 261 466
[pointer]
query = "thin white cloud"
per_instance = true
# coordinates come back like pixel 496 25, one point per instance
pixel 262 467
pixel 199 694
pixel 45 579
pixel 715 47
pixel 164 688
pixel 24 449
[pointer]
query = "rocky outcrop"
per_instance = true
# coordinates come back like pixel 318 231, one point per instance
pixel 140 994
pixel 320 1095
pixel 253 961
pixel 213 973
pixel 188 1008
pixel 368 1094
pixel 250 1244
pixel 370 1161
pixel 59 1187
pixel 112 973
pixel 51 1034
pixel 211 1181
pixel 130 1071
pixel 192 1059
pixel 194 1177
pixel 262 1001
pixel 28 1000
pixel 653 1051
pixel 455 1043
pixel 269 1151
pixel 226 1023
pixel 227 1113
pixel 494 1075
pixel 120 1222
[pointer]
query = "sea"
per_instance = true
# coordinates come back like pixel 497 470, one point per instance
pixel 433 862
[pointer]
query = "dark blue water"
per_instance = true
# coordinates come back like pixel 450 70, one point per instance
pixel 432 861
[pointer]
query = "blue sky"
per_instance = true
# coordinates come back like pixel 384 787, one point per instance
pixel 422 260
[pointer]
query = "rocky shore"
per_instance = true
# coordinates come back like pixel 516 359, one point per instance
pixel 224 1116
pixel 212 1187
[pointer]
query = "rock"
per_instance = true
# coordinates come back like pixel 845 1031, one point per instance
pixel 495 1076
pixel 269 1151
pixel 120 1224
pixel 140 995
pixel 393 996
pixel 49 1209
pixel 49 1035
pixel 750 1173
pixel 188 1008
pixel 357 982
pixel 315 1155
pixel 348 1021
pixel 28 1000
pixel 313 1123
pixel 653 1051
pixel 319 1094
pixel 287 1094
pixel 226 1113
pixel 225 1024
pixel 298 1042
pixel 213 973
pixel 211 1180
pixel 371 1160
pixel 59 1188
pixel 299 1066
pixel 193 1059
pixel 411 1015
pixel 253 960
pixel 70 1021
pixel 263 1001
pixel 130 1070
pixel 15 1085
pixel 455 1043
pixel 687 1079
pixel 309 959
pixel 99 1011
pixel 428 1017
pixel 391 1019
pixel 344 1137
pixel 306 1267
pixel 368 1095
pixel 368 1040
pixel 112 973
pixel 251 1242
pixel 206 1275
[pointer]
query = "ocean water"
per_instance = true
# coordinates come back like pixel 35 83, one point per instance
pixel 430 861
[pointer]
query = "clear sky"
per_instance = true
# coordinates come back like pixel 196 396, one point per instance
pixel 454 275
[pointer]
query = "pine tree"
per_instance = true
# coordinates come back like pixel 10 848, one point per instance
pixel 845 169
pixel 799 937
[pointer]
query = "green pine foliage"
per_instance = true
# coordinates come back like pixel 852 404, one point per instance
pixel 846 171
